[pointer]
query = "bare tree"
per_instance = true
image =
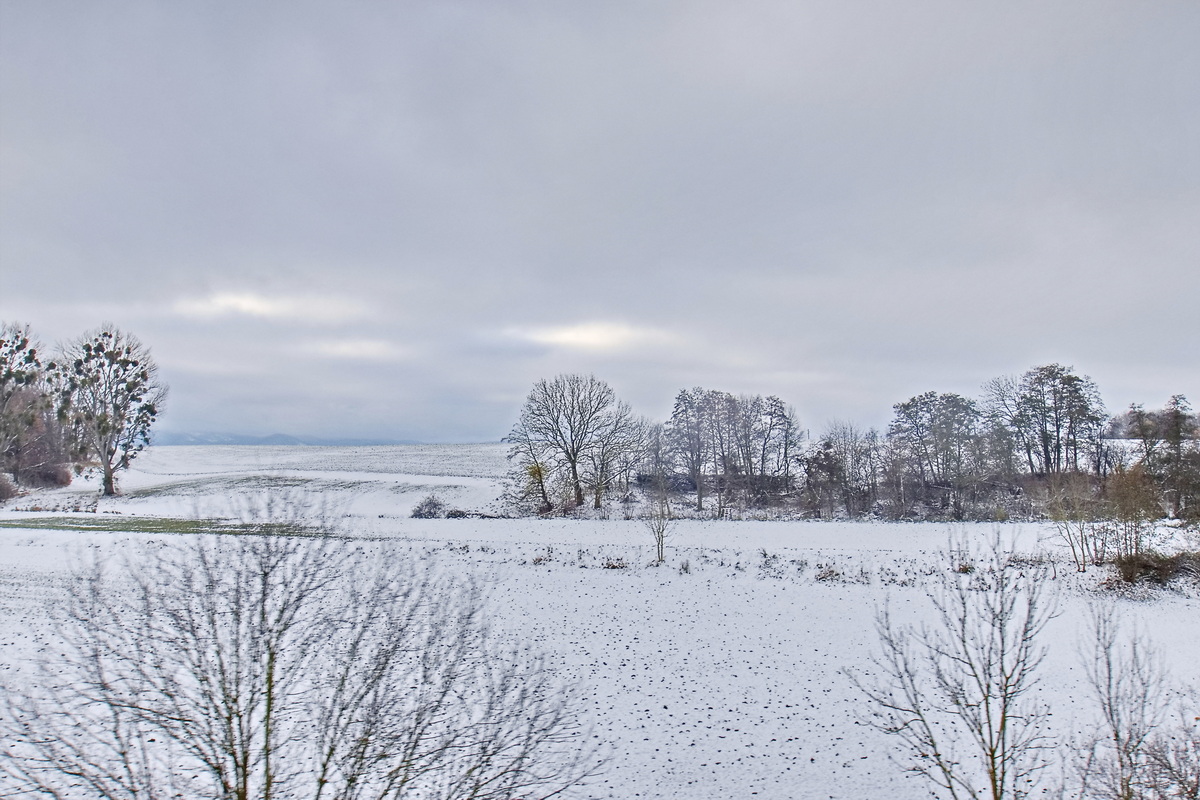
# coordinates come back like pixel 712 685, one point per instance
pixel 843 468
pixel 110 394
pixel 1003 408
pixel 688 433
pixel 1128 681
pixel 1136 753
pixel 535 465
pixel 576 421
pixel 646 448
pixel 1174 755
pixel 957 693
pixel 1132 509
pixel 658 522
pixel 1062 415
pixel 1179 463
pixel 935 438
pixel 258 667
pixel 1078 518
pixel 619 437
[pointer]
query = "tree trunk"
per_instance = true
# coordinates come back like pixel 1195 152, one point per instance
pixel 110 485
pixel 576 485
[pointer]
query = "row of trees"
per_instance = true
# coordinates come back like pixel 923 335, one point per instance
pixel 574 437
pixel 91 403
pixel 1040 445
pixel 737 448
pixel 949 455
pixel 1018 449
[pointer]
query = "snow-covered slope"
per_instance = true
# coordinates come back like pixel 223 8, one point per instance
pixel 718 674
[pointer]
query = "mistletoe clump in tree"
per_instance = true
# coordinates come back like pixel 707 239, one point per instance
pixel 21 400
pixel 110 395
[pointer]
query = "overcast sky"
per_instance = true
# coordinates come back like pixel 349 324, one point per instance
pixel 389 219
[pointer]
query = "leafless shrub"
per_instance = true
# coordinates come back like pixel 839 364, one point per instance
pixel 1086 538
pixel 430 507
pixel 658 522
pixel 1127 679
pixel 957 693
pixel 1158 568
pixel 266 666
pixel 1135 754
pixel 1173 755
pixel 47 476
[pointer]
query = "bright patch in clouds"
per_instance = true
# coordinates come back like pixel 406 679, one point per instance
pixel 593 336
pixel 316 309
pixel 360 349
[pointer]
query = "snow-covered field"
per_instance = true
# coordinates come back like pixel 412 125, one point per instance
pixel 716 675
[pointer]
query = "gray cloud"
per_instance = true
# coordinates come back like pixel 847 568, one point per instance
pixel 389 219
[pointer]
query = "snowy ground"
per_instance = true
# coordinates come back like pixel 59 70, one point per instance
pixel 725 680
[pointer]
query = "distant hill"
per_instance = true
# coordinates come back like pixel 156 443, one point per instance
pixel 275 439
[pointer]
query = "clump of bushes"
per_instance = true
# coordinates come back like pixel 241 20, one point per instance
pixel 45 476
pixel 431 507
pixel 48 476
pixel 1158 568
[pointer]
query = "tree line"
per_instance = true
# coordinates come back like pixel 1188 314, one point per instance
pixel 88 404
pixel 1028 446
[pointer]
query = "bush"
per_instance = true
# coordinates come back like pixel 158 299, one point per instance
pixel 1158 568
pixel 49 476
pixel 430 508
pixel 7 490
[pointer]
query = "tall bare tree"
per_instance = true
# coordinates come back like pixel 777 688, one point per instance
pixel 742 447
pixel 1002 407
pixel 842 469
pixel 688 434
pixel 536 464
pixel 937 431
pixel 1064 414
pixel 568 416
pixel 619 440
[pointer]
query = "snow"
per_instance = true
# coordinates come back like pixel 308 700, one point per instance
pixel 724 680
